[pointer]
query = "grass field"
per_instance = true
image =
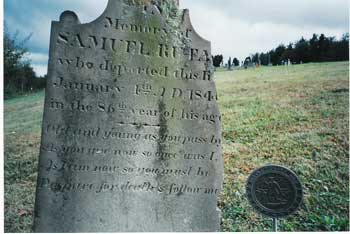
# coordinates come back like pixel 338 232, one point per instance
pixel 293 116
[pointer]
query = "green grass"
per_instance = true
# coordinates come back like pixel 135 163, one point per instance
pixel 23 116
pixel 293 116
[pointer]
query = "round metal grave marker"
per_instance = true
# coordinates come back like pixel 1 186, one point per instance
pixel 274 191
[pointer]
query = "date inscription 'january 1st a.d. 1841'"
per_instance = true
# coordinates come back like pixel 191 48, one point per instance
pixel 131 136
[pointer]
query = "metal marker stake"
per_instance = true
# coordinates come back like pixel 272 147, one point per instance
pixel 273 182
pixel 275 224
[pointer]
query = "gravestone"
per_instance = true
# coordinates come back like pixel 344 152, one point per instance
pixel 131 137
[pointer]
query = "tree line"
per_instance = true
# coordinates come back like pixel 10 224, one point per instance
pixel 317 49
pixel 19 75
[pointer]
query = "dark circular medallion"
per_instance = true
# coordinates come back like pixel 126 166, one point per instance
pixel 274 191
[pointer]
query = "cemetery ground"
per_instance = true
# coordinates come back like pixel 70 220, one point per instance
pixel 293 116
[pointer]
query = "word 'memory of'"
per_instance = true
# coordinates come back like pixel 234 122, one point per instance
pixel 132 47
pixel 125 26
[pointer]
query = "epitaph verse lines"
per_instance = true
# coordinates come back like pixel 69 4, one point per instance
pixel 115 133
pixel 65 150
pixel 131 137
pixel 173 189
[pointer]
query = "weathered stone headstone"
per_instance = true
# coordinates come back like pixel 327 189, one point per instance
pixel 131 135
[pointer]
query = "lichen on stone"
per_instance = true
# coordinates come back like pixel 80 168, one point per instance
pixel 172 15
pixel 168 8
pixel 147 2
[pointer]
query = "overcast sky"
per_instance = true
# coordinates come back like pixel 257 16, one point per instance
pixel 236 28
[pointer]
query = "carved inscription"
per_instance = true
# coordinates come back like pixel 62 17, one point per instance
pixel 172 189
pixel 131 124
pixel 132 72
pixel 134 47
pixel 139 89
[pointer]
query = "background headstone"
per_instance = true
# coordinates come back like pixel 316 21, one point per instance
pixel 131 136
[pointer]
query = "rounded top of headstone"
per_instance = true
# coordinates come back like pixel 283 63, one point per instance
pixel 69 17
pixel 274 191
